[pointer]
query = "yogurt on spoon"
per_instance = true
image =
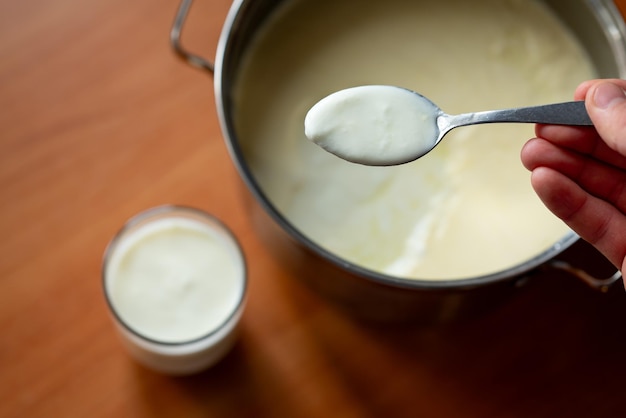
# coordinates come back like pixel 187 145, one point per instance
pixel 374 125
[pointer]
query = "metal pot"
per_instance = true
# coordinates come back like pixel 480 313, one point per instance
pixel 602 32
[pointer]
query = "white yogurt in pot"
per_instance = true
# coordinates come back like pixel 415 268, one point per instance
pixel 464 210
pixel 175 281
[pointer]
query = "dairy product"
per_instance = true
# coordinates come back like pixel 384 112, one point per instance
pixel 374 125
pixel 463 210
pixel 176 285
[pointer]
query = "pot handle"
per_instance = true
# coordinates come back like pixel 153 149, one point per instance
pixel 194 60
pixel 599 284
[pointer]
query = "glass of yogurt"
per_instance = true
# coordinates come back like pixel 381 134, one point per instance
pixel 175 281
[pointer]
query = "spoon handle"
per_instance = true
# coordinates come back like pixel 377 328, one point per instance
pixel 568 113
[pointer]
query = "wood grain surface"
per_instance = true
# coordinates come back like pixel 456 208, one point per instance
pixel 99 120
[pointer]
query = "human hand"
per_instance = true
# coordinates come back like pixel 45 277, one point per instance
pixel 580 173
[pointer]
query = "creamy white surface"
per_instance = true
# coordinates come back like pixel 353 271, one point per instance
pixel 175 280
pixel 463 210
pixel 373 125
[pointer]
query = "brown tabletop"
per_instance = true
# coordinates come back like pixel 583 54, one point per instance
pixel 99 120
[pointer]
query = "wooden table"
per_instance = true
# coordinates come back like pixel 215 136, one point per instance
pixel 99 121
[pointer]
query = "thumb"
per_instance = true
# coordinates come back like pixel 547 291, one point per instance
pixel 606 105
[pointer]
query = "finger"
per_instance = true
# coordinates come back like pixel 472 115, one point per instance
pixel 606 105
pixel 582 140
pixel 583 88
pixel 601 180
pixel 595 220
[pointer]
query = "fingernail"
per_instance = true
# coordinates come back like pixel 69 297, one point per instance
pixel 606 94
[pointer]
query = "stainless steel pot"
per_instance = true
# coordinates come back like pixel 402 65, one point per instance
pixel 601 30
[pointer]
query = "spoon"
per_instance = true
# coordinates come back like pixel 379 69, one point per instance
pixel 388 125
